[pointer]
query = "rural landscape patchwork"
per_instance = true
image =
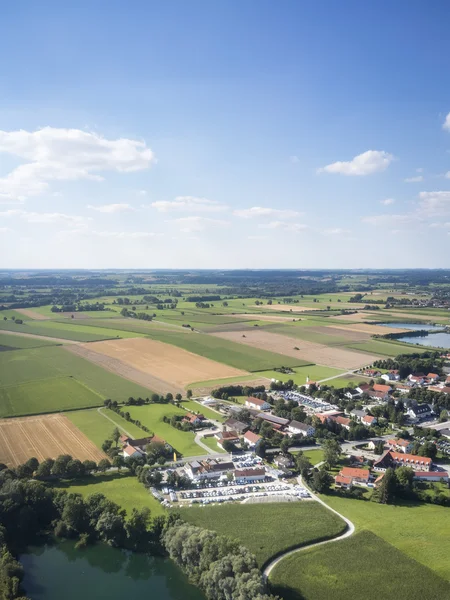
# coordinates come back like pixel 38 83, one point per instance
pixel 303 417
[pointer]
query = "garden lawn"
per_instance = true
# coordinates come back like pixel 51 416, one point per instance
pixel 211 442
pixel 346 381
pixel 36 364
pixel 15 342
pixel 421 531
pixel 268 529
pixel 314 372
pixel 362 567
pixel 151 415
pixel 98 428
pixel 193 406
pixel 46 395
pixel 314 456
pixel 122 488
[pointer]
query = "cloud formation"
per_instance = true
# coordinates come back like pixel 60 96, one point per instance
pixel 111 208
pixel 197 223
pixel 416 179
pixel 295 227
pixel 434 203
pixel 259 211
pixel 446 123
pixel 387 201
pixel 188 204
pixel 53 154
pixel 367 163
pixel 49 218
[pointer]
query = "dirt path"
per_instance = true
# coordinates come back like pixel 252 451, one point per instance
pixel 350 529
pixel 117 367
pixel 100 410
pixel 39 337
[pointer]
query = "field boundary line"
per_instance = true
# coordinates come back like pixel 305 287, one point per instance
pixel 100 411
pixel 349 531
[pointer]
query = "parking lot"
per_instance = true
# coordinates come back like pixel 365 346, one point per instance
pixel 314 404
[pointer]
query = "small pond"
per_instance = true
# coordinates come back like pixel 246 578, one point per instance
pixel 61 571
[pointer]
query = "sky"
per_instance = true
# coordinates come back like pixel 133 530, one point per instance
pixel 224 134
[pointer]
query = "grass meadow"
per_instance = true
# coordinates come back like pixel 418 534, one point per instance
pixel 314 372
pixel 66 331
pixel 268 529
pixel 98 428
pixel 151 415
pixel 123 489
pixel 18 342
pixel 362 567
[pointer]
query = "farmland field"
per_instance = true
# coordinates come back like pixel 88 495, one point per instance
pixel 69 331
pixel 314 372
pixel 151 416
pixel 37 364
pixel 362 567
pixel 8 341
pixel 123 489
pixel 98 428
pixel 193 406
pixel 308 351
pixel 164 362
pixel 268 529
pixel 385 348
pixel 43 437
pixel 428 542
pixel 46 395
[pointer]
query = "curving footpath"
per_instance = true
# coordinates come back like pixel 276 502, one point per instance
pixel 350 529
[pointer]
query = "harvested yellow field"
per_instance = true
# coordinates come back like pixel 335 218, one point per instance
pixel 162 361
pixel 341 358
pixel 287 307
pixel 262 317
pixel 42 437
pixel 359 316
pixel 31 314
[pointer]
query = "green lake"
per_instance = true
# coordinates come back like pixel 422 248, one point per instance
pixel 61 571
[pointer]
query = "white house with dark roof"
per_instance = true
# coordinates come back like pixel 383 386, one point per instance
pixel 298 428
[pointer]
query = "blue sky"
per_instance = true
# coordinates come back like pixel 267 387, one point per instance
pixel 224 134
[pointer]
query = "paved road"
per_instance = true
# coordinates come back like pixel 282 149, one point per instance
pixel 350 529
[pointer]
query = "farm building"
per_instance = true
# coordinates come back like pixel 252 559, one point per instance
pixel 252 439
pixel 431 476
pixel 297 428
pixel 194 420
pixel 207 469
pixel 257 403
pixel 235 425
pixel 278 421
pixel 226 436
pixel 131 452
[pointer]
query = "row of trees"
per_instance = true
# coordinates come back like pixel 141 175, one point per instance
pixel 221 567
pixel 63 467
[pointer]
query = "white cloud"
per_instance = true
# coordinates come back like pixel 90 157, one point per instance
pixel 372 161
pixel 387 201
pixel 65 154
pixel 335 231
pixel 111 208
pixel 5 229
pixel 389 219
pixel 294 159
pixel 48 218
pixel 295 227
pixel 416 179
pixel 419 170
pixel 447 175
pixel 434 203
pixel 195 223
pixel 141 193
pixel 188 204
pixel 134 235
pixel 446 124
pixel 259 211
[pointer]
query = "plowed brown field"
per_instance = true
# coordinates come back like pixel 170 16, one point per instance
pixel 45 436
pixel 341 358
pixel 169 365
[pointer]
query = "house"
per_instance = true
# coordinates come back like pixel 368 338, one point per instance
pixel 357 475
pixel 141 443
pixel 402 388
pixel 276 421
pixel 226 436
pixel 445 433
pixel 364 388
pixel 284 461
pixel 431 476
pixel 131 452
pixel 447 380
pixel 352 394
pixel 207 469
pixel 372 373
pixel 368 420
pixel 391 376
pixel 416 379
pixel 297 428
pixel 194 420
pixel 250 475
pixel 343 482
pixel 419 411
pixel 399 445
pixel 432 377
pixel 257 403
pixel 311 384
pixel 327 416
pixel 235 425
pixel 252 439
pixel 344 421
pixel 400 459
pixel 379 387
pixel 377 395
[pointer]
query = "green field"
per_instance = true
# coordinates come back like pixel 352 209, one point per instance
pixel 211 442
pixel 193 406
pixel 62 330
pixel 314 372
pixel 385 348
pixel 37 364
pixel 362 567
pixel 346 381
pixel 268 529
pixel 152 417
pixel 314 456
pixel 98 428
pixel 18 342
pixel 425 538
pixel 123 489
pixel 46 395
